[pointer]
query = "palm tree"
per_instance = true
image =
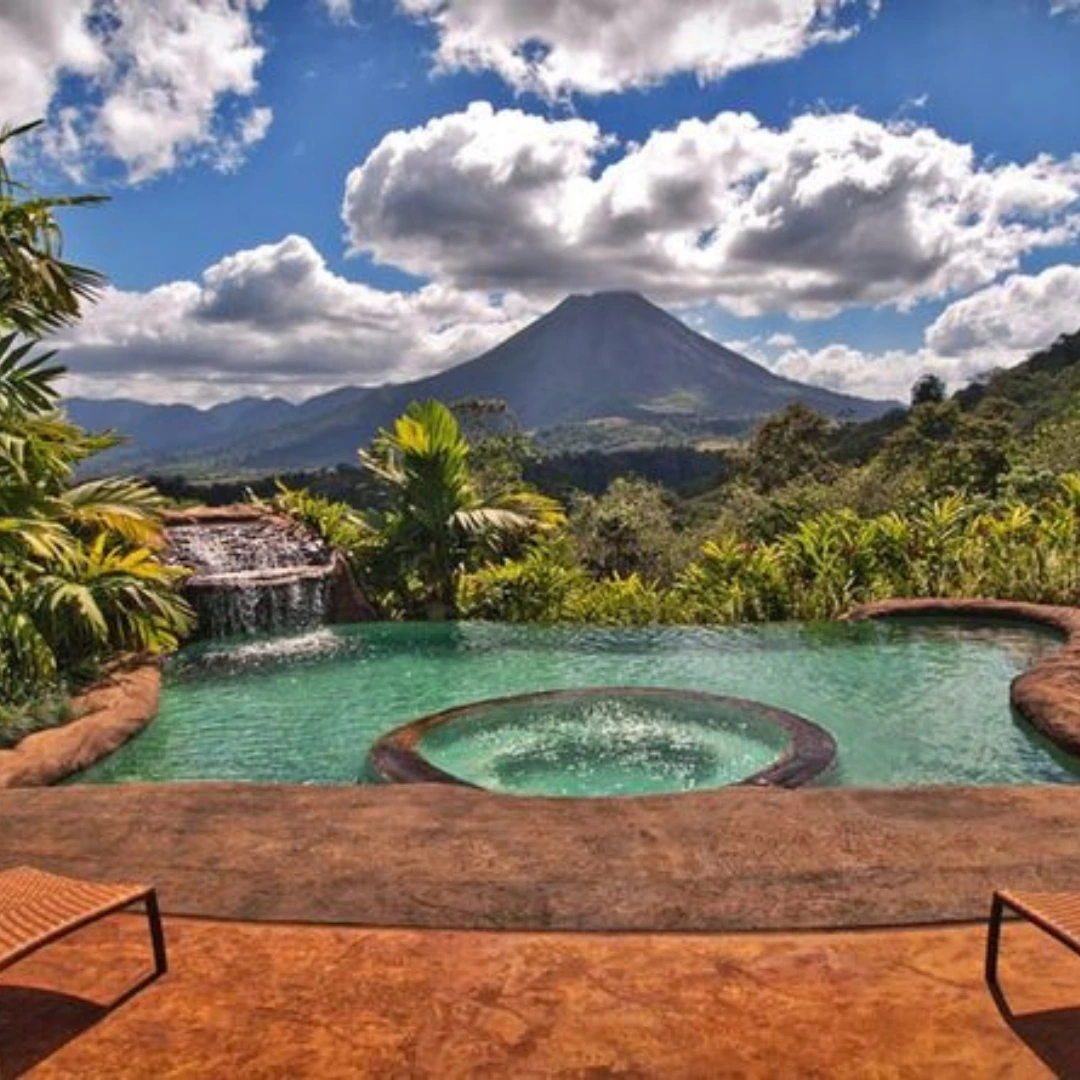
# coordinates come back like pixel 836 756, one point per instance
pixel 79 577
pixel 39 290
pixel 437 524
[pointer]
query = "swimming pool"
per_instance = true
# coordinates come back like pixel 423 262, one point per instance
pixel 908 701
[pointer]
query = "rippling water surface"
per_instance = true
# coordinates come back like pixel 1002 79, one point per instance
pixel 908 703
pixel 613 743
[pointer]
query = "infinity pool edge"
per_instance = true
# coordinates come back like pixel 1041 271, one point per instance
pixel 1047 694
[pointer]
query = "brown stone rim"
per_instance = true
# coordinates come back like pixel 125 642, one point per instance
pixel 106 715
pixel 1047 695
pixel 397 757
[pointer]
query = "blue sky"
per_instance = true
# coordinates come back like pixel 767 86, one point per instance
pixel 872 189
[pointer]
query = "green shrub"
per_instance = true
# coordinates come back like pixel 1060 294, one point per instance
pixel 48 711
pixel 536 588
pixel 618 601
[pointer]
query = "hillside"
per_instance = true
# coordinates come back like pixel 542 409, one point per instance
pixel 1006 436
pixel 1040 394
pixel 609 355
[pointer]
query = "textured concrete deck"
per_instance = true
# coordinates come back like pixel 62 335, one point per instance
pixel 440 856
pixel 265 1000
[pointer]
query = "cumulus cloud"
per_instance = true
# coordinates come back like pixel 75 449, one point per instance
pixel 781 341
pixel 340 11
pixel 483 197
pixel 41 40
pixel 833 211
pixel 606 46
pixel 1020 314
pixel 276 320
pixel 886 375
pixel 159 82
pixel 995 327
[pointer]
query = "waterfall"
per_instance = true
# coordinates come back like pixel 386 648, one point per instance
pixel 257 575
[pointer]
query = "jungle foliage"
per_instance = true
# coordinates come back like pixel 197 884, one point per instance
pixel 977 494
pixel 80 581
pixel 443 514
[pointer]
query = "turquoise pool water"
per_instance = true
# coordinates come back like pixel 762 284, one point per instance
pixel 611 742
pixel 908 703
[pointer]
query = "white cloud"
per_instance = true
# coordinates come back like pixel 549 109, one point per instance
pixel 606 46
pixel 887 375
pixel 340 11
pixel 781 341
pixel 996 327
pixel 1018 315
pixel 41 40
pixel 160 82
pixel 275 320
pixel 831 212
pixel 1064 7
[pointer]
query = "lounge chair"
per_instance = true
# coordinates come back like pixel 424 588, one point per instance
pixel 37 908
pixel 1058 914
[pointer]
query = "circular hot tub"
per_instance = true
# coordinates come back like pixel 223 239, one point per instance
pixel 606 741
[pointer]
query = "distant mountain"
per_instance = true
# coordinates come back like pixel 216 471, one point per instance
pixel 609 355
pixel 164 430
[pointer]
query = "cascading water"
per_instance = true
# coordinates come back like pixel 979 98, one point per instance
pixel 256 575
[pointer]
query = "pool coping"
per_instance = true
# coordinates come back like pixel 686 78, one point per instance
pixel 106 715
pixel 810 750
pixel 1047 694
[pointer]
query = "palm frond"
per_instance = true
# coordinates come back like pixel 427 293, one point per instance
pixel 128 508
pixel 27 382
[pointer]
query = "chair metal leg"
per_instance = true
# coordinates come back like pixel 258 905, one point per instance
pixel 157 935
pixel 993 943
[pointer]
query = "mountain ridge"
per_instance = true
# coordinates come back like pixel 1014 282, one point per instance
pixel 608 354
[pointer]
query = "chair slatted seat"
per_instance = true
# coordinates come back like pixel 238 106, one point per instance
pixel 37 908
pixel 1057 914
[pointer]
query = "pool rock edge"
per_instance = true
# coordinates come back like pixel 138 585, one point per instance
pixel 810 751
pixel 106 715
pixel 1047 695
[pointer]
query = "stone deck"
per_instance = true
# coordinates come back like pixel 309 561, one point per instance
pixel 263 1000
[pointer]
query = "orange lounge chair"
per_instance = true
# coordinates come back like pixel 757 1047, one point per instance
pixel 37 908
pixel 1057 914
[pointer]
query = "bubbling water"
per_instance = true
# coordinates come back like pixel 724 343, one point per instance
pixel 614 744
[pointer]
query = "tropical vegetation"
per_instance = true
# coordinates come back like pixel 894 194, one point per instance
pixel 39 290
pixel 973 495
pixel 80 579
pixel 439 518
